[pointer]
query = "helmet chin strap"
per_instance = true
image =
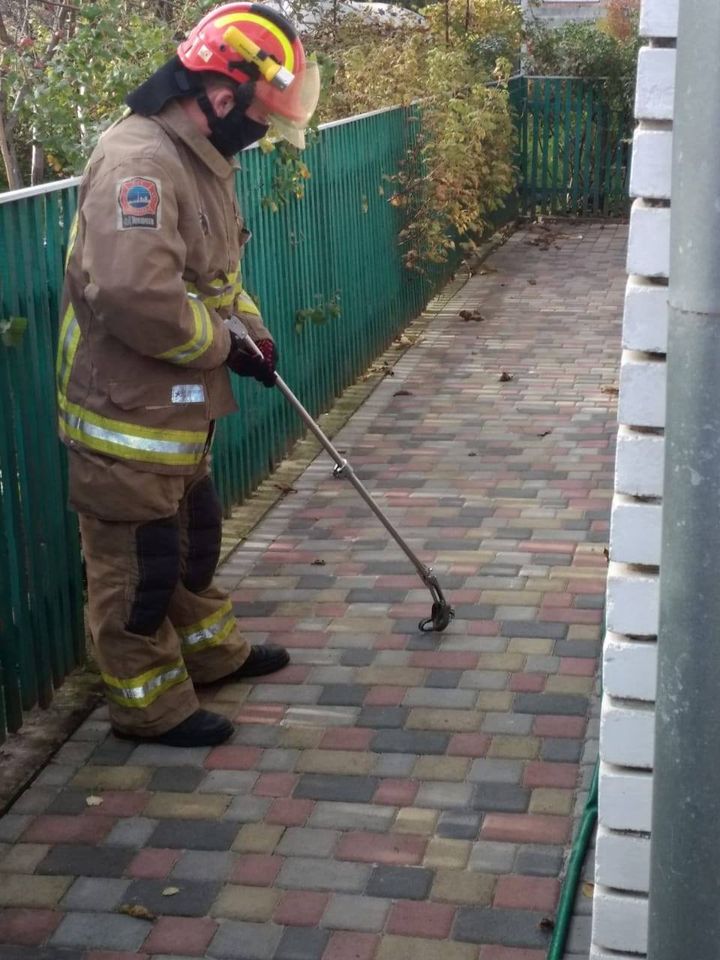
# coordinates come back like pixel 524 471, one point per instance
pixel 235 131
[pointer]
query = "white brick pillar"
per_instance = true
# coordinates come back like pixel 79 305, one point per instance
pixel 620 907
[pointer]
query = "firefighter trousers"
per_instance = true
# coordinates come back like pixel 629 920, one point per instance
pixel 157 622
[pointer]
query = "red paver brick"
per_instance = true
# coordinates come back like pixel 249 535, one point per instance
pixel 410 918
pixel 304 639
pixel 525 828
pixel 153 863
pixel 275 784
pixel 256 869
pixel 571 615
pixel 578 666
pixel 527 893
pixel 552 725
pixel 301 908
pixel 344 945
pixel 26 927
pixel 557 599
pixel 539 773
pixel 528 682
pixel 381 848
pixel 468 745
pixel 56 828
pixel 348 738
pixel 445 659
pixel 120 803
pixel 188 936
pixel 267 713
pixel 289 812
pixel 391 641
pixel 546 546
pixel 396 793
pixel 233 758
pixel 510 953
pixel 483 628
pixel 384 697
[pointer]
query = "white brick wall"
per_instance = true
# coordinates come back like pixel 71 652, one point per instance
pixel 630 650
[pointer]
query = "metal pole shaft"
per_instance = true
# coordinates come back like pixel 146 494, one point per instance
pixel 346 471
pixel 684 919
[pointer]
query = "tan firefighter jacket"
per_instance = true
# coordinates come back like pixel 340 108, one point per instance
pixel 152 270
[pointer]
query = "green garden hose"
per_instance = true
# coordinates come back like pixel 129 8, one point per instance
pixel 574 869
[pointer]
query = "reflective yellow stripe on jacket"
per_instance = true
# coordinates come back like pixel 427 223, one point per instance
pixel 199 342
pixel 144 689
pixel 210 631
pixel 117 438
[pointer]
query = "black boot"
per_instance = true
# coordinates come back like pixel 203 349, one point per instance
pixel 200 729
pixel 261 661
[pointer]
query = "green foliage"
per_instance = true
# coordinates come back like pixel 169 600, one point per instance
pixel 459 163
pixel 589 51
pixel 320 313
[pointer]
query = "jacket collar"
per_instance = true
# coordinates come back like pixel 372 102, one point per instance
pixel 174 119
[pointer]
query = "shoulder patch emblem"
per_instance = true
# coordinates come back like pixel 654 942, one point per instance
pixel 138 203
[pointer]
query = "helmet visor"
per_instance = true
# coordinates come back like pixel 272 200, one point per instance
pixel 290 110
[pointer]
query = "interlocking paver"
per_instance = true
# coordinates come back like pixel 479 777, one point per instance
pixel 392 794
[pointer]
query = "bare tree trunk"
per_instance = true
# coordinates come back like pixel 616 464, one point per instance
pixel 37 163
pixel 7 149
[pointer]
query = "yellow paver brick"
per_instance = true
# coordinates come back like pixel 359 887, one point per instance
pixel 258 838
pixel 456 721
pixel 560 683
pixel 301 737
pixel 413 948
pixel 551 800
pixel 446 853
pixel 16 890
pixel 545 585
pixel 415 820
pixel 23 857
pixel 463 886
pixel 246 903
pixel 501 661
pixel 112 778
pixel 518 748
pixel 495 700
pixel 440 768
pixel 391 676
pixel 537 646
pixel 511 598
pixel 583 631
pixel 233 692
pixel 187 806
pixel 336 761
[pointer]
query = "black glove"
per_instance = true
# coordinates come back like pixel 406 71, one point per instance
pixel 247 364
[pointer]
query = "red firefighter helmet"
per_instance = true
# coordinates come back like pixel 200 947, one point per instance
pixel 252 42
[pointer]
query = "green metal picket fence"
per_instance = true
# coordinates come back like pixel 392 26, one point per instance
pixel 327 273
pixel 573 150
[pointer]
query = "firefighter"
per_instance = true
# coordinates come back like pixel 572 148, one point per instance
pixel 152 274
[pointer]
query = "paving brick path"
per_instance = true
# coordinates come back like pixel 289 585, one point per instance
pixel 391 795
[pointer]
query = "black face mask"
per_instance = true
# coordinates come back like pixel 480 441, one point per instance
pixel 235 131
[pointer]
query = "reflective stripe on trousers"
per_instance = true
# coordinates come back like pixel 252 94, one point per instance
pixel 209 632
pixel 142 690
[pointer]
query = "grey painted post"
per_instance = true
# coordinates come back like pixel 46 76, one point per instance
pixel 685 859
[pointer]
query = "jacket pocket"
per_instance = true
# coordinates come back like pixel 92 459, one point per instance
pixel 135 395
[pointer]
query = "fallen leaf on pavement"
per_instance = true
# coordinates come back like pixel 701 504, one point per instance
pixel 137 910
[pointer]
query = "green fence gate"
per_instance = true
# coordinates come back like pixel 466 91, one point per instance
pixel 573 152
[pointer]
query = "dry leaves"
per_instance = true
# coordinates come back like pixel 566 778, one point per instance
pixel 505 377
pixel 137 910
